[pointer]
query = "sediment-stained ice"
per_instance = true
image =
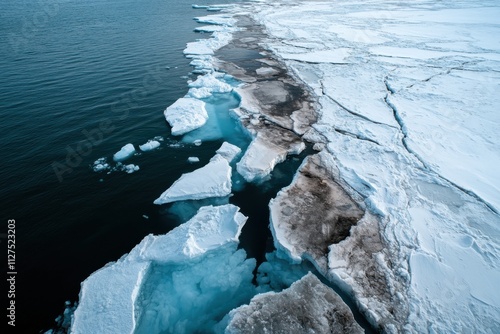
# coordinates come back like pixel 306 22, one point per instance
pixel 185 115
pixel 144 290
pixel 308 306
pixel 410 121
pixel 263 155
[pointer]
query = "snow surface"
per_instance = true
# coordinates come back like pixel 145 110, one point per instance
pixel 185 115
pixel 228 151
pixel 207 85
pixel 124 153
pixel 211 180
pixel 115 298
pixel 411 119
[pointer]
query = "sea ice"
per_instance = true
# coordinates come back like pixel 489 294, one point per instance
pixel 211 180
pixel 131 168
pixel 193 159
pixel 308 306
pixel 410 120
pixel 185 115
pixel 150 145
pixel 206 85
pixel 263 155
pixel 228 151
pixel 124 153
pixel 171 282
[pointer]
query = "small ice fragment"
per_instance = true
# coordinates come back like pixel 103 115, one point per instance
pixel 200 6
pixel 145 216
pixel 197 142
pixel 193 159
pixel 150 145
pixel 158 138
pixel 130 168
pixel 126 152
pixel 100 165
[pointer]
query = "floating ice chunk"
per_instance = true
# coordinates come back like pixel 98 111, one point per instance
pixel 186 114
pixel 126 152
pixel 200 6
pixel 220 19
pixel 130 168
pixel 211 180
pixel 100 165
pixel 193 159
pixel 202 62
pixel 228 151
pixel 150 145
pixel 308 306
pixel 210 28
pixel 197 142
pixel 206 85
pixel 189 277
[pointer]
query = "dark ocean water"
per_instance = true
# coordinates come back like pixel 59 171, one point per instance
pixel 66 66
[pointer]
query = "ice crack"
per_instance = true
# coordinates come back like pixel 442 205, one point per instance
pixel 357 136
pixel 404 131
pixel 349 110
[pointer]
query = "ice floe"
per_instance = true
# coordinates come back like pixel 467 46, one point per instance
pixel 124 153
pixel 211 180
pixel 171 282
pixel 150 145
pixel 185 115
pixel 263 155
pixel 206 85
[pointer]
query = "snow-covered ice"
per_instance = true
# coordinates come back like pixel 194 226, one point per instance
pixel 124 153
pixel 211 180
pixel 193 159
pixel 410 120
pixel 185 115
pixel 150 145
pixel 206 85
pixel 180 278
pixel 228 151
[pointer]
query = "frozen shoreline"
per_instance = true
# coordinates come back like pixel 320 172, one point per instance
pixel 423 251
pixel 398 112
